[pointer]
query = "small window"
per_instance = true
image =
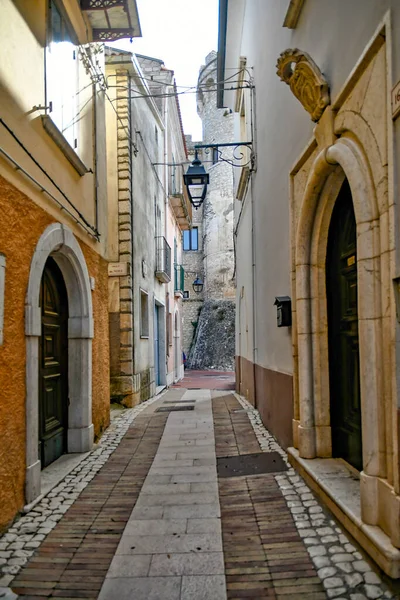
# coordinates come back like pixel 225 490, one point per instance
pixel 215 155
pixel 144 314
pixel 156 133
pixel 186 295
pixel 191 239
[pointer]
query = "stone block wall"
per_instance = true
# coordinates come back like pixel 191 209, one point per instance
pixel 214 261
pixel 121 309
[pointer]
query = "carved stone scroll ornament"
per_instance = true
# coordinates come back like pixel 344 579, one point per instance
pixel 299 71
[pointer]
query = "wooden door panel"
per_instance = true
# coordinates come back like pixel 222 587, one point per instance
pixel 344 372
pixel 53 385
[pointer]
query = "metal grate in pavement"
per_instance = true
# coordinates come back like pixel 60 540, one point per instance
pixel 183 402
pixel 250 464
pixel 174 408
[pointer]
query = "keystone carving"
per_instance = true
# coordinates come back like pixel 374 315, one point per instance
pixel 299 71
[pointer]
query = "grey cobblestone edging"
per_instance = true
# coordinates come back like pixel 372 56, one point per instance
pixel 342 569
pixel 28 532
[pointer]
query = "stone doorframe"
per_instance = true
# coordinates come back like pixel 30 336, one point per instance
pixel 59 242
pixel 312 431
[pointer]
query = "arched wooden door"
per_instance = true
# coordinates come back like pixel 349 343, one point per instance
pixel 344 372
pixel 53 367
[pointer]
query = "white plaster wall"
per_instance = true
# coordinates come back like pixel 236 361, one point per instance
pixel 335 34
pixel 146 191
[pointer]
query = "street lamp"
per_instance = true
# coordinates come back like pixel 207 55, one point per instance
pixel 196 180
pixel 198 285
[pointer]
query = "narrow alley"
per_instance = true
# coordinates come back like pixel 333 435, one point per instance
pixel 200 299
pixel 169 506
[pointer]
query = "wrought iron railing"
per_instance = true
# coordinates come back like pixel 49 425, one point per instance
pixel 179 278
pixel 163 259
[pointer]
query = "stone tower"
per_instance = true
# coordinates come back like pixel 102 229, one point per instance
pixel 218 211
pixel 209 317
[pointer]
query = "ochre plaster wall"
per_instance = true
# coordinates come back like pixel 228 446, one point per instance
pixel 21 225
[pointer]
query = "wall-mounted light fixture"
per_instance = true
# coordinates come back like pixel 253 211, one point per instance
pixel 198 285
pixel 196 178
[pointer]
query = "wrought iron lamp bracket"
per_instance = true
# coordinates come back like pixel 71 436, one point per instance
pixel 236 160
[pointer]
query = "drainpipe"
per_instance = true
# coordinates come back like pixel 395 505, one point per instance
pixel 132 216
pixel 254 289
pixel 95 159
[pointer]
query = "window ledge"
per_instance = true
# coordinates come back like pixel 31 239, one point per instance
pixel 57 137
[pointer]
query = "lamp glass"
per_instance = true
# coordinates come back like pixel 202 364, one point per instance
pixel 198 285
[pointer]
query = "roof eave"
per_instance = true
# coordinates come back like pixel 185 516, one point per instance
pixel 112 21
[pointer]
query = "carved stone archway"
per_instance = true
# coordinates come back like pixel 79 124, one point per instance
pixel 343 159
pixel 59 242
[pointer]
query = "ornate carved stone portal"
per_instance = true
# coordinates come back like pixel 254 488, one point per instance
pixel 299 71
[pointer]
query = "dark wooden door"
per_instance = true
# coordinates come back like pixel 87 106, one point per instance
pixel 53 369
pixel 341 277
pixel 156 344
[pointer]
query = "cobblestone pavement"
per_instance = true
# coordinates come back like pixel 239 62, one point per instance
pixel 277 540
pixel 342 568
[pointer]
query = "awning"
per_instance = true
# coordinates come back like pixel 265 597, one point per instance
pixel 112 19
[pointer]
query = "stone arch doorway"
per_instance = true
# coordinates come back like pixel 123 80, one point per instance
pixel 343 340
pixel 332 166
pixel 59 243
pixel 53 365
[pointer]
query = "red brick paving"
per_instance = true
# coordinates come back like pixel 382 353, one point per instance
pixel 212 380
pixel 264 554
pixel 73 560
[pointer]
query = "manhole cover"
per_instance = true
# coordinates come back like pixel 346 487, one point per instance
pixel 174 408
pixel 250 464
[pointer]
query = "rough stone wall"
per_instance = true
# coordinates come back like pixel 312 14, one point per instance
pixel 219 203
pixel 23 222
pixel 191 312
pixel 193 265
pixel 214 345
pixel 214 261
pixel 121 313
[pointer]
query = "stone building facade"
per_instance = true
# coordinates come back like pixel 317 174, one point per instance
pixel 146 219
pixel 54 354
pixel 317 221
pixel 213 261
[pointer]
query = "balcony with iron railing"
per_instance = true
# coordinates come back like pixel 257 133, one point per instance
pixel 163 260
pixel 180 203
pixel 179 280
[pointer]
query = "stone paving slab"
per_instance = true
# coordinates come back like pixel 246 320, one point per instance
pixel 343 569
pixel 263 536
pixel 185 542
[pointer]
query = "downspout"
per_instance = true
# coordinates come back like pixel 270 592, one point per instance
pixel 95 160
pixel 166 220
pixel 254 291
pixel 132 216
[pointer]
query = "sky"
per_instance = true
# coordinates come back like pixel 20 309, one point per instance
pixel 181 33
